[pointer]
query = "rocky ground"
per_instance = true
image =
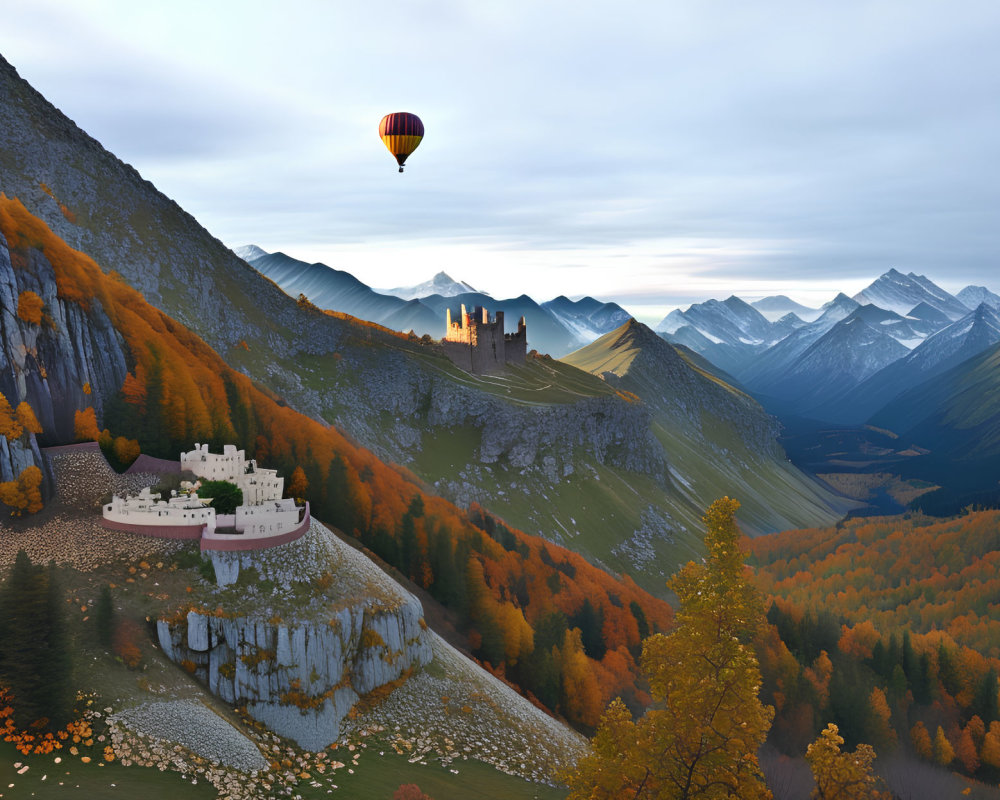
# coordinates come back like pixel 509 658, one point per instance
pixel 454 710
pixel 69 529
pixel 192 726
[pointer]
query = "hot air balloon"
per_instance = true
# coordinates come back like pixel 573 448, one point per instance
pixel 401 132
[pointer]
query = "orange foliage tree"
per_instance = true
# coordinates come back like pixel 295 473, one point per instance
pixel 26 418
pixel 85 425
pixel 29 307
pixel 297 484
pixel 9 425
pixel 23 494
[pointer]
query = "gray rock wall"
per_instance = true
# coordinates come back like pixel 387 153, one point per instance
pixel 49 364
pixel 300 678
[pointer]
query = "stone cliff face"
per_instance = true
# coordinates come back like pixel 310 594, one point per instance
pixel 299 679
pixel 391 407
pixel 72 359
pixel 310 628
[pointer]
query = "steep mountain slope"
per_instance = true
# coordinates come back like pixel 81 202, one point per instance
pixel 587 318
pixel 729 333
pixel 898 292
pixel 930 315
pixel 956 413
pixel 732 321
pixel 771 365
pixel 706 454
pixel 442 284
pixel 972 334
pixel 833 365
pixel 786 325
pixel 908 331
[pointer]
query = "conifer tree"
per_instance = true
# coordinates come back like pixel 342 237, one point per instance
pixel 34 652
pixel 701 736
pixel 943 752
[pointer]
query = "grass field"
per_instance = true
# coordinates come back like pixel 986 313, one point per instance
pixel 375 776
pixel 94 781
pixel 378 776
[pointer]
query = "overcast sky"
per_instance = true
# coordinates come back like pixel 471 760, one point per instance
pixel 654 153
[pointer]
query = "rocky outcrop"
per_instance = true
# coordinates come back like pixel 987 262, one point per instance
pixel 336 639
pixel 300 679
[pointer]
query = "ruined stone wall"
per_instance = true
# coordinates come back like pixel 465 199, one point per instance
pixel 488 356
pixel 459 353
pixel 516 347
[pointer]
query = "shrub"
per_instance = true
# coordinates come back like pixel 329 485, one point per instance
pixel 225 496
pixel 29 307
pixel 409 791
pixel 126 643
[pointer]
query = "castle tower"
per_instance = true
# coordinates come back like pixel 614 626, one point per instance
pixel 480 345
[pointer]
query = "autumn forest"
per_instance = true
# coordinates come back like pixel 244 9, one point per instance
pixel 879 633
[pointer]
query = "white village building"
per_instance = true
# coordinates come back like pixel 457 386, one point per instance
pixel 258 485
pixel 147 508
pixel 264 515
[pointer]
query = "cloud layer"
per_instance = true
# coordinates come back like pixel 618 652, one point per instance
pixel 652 153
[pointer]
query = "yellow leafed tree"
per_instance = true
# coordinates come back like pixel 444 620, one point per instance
pixel 23 494
pixel 944 753
pixel 700 738
pixel 9 426
pixel 841 775
pixel 26 418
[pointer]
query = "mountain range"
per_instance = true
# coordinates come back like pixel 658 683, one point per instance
pixel 854 357
pixel 555 327
pixel 442 284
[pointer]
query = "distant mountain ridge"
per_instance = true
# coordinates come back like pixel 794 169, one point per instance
pixel 442 284
pixel 556 327
pixel 777 306
pixel 900 293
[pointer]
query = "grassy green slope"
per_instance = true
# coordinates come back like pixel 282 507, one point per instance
pixel 719 440
pixel 958 411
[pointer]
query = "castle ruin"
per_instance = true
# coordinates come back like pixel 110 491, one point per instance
pixel 478 344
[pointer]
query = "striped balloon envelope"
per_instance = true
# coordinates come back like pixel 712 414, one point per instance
pixel 401 132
